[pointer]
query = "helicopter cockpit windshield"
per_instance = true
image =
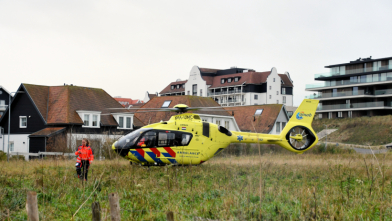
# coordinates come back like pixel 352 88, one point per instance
pixel 128 141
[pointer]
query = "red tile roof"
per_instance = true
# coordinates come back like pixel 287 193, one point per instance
pixel 58 104
pixel 247 77
pixel 191 101
pixel 48 132
pixel 263 123
pixel 127 101
pixel 175 90
pixel 286 81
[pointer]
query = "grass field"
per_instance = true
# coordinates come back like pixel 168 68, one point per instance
pixel 294 187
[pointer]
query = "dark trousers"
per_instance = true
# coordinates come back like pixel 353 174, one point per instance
pixel 82 169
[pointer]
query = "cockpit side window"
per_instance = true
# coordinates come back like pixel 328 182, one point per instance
pixel 147 140
pixel 173 138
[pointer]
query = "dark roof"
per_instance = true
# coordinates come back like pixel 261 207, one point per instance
pixel 48 132
pixel 208 70
pixel 361 61
pixel 263 123
pixel 175 90
pixel 191 101
pixel 58 104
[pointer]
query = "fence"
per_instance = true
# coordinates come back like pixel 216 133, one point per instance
pixel 42 154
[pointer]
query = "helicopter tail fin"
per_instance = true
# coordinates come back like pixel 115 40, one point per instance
pixel 298 135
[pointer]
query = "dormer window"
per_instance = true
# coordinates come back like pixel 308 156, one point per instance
pixel 222 81
pixel 166 104
pixel 124 120
pixel 172 87
pixel 236 79
pixel 90 118
pixel 183 86
pixel 229 80
pixel 178 86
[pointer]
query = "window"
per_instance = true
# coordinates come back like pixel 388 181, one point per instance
pixel 222 81
pixel 350 114
pixel 274 79
pixel 1 92
pixel 166 104
pixel 95 120
pixel 121 122
pixel 90 118
pixel 86 120
pixel 167 139
pixel 284 99
pixel 22 122
pixel 270 87
pixel 227 125
pixel 256 96
pixel 178 86
pixel 128 122
pixel 218 122
pixel 320 116
pixel 277 127
pixel 355 90
pixel 277 92
pixel 270 97
pixel 277 101
pixel 340 114
pixel 229 80
pixel 283 125
pixel 255 103
pixel 201 92
pixel 183 86
pixel 172 87
pixel 290 113
pixel 147 140
pixel 188 93
pixel 2 103
pixel 11 145
pixel 194 90
pixel 258 112
pixel 283 90
pixel 235 79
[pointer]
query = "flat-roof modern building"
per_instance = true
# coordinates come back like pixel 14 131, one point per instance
pixel 362 87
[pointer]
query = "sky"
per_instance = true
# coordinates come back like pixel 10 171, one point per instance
pixel 130 47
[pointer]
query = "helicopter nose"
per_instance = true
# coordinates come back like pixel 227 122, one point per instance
pixel 120 150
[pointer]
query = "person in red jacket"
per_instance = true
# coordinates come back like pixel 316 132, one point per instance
pixel 85 158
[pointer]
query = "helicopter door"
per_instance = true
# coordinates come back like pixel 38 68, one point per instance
pixel 148 140
pixel 173 138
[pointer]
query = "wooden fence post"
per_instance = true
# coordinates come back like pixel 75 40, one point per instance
pixel 32 206
pixel 114 207
pixel 96 208
pixel 170 216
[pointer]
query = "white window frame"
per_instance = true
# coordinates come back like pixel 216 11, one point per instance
pixel 90 114
pixel 218 122
pixel 256 97
pixel 222 81
pixel 284 90
pixel 178 86
pixel 236 79
pixel 172 87
pixel 274 79
pixel 270 97
pixel 259 112
pixel 20 121
pixel 277 92
pixel 227 124
pixel 277 127
pixel 125 117
pixel 284 99
pixel 229 80
pixel 270 87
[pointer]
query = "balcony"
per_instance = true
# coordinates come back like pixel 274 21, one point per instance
pixel 365 105
pixel 350 93
pixel 3 107
pixel 354 71
pixel 224 92
pixel 231 101
pixel 365 79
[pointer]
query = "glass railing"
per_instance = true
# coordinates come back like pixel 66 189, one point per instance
pixel 362 80
pixel 354 71
pixel 348 93
pixel 3 107
pixel 352 106
pixel 232 101
pixel 382 92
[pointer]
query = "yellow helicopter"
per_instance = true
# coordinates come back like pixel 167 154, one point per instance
pixel 186 140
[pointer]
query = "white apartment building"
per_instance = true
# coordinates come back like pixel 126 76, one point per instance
pixel 235 86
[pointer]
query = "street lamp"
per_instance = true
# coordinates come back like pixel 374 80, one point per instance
pixel 9 121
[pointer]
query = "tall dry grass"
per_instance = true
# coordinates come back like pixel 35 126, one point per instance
pixel 294 187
